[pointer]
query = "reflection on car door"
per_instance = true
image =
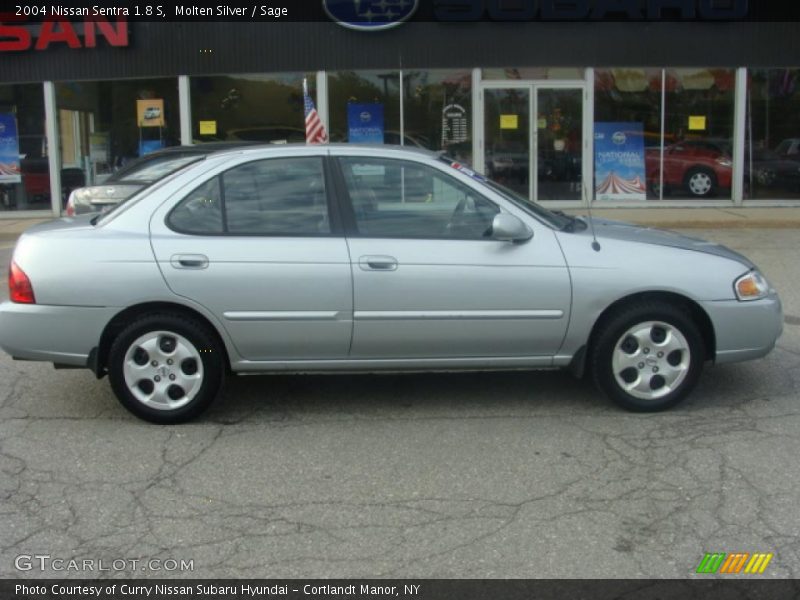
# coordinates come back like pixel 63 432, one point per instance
pixel 429 282
pixel 256 246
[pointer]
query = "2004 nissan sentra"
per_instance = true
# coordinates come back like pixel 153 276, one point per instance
pixel 349 258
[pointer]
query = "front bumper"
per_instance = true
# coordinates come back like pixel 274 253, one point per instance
pixel 58 334
pixel 745 330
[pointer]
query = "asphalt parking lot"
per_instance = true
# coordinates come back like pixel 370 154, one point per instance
pixel 446 475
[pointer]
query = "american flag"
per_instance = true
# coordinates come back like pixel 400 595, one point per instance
pixel 315 130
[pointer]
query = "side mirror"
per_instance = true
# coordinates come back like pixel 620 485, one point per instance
pixel 508 228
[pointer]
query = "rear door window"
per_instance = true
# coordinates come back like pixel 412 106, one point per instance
pixel 272 197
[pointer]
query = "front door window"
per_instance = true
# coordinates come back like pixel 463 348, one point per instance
pixel 400 199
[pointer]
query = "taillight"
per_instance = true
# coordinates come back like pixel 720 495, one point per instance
pixel 70 210
pixel 20 289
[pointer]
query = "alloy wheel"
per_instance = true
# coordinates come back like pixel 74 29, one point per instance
pixel 651 359
pixel 163 370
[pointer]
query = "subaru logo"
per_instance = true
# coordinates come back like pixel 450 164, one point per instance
pixel 370 15
pixel 365 117
pixel 619 137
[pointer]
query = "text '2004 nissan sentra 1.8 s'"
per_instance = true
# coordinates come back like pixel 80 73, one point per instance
pixel 351 258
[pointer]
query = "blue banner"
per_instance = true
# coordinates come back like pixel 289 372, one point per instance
pixel 148 146
pixel 619 167
pixel 9 150
pixel 364 123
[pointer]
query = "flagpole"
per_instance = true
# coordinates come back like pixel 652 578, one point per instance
pixel 305 95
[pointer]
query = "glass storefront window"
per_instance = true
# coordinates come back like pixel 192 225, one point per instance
pixel 103 125
pixel 438 112
pixel 698 130
pixel 253 108
pixel 698 133
pixel 24 167
pixel 559 144
pixel 364 106
pixel 631 100
pixel 772 135
pixel 507 151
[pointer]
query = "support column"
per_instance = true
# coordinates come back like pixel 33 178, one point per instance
pixel 53 146
pixel 322 100
pixel 739 135
pixel 477 122
pixel 185 108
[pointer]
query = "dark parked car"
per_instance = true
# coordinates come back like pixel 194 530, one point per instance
pixel 789 148
pixel 772 170
pixel 137 175
pixel 273 134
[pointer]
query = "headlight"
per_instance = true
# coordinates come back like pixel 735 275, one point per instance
pixel 751 286
pixel 725 162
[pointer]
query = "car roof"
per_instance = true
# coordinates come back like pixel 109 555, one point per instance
pixel 204 148
pixel 334 148
pixel 223 148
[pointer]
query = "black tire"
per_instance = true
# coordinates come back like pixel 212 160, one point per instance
pixel 186 333
pixel 700 182
pixel 654 185
pixel 610 343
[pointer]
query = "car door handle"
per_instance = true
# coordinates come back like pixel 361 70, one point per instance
pixel 377 263
pixel 189 261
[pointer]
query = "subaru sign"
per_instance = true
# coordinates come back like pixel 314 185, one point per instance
pixel 370 15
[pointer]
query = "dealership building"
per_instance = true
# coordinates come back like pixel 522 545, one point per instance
pixel 617 103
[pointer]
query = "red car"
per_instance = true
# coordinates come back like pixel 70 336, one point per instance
pixel 698 167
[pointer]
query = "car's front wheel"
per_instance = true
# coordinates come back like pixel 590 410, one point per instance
pixel 166 368
pixel 648 356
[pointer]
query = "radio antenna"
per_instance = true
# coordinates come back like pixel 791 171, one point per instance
pixel 595 243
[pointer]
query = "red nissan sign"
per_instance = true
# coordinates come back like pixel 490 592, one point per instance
pixel 57 31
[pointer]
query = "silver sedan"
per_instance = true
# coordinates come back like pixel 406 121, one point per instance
pixel 351 258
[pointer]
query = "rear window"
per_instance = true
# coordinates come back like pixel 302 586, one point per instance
pixel 148 171
pixel 115 210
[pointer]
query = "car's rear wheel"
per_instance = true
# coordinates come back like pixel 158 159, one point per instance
pixel 701 183
pixel 655 186
pixel 648 356
pixel 166 368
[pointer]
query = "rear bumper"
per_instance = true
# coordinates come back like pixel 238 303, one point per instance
pixel 745 330
pixel 58 334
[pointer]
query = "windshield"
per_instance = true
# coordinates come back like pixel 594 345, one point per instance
pixel 556 219
pixel 148 171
